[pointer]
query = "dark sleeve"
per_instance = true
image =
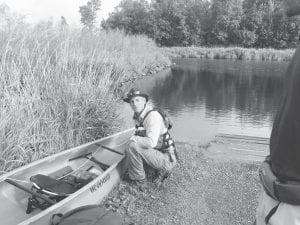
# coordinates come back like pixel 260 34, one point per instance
pixel 285 136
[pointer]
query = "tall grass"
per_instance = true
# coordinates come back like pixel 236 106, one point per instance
pixel 59 89
pixel 236 53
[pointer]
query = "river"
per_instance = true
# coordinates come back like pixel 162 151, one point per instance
pixel 206 97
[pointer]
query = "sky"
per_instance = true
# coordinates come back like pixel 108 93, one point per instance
pixel 36 10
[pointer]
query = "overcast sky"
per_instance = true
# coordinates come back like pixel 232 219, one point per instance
pixel 36 10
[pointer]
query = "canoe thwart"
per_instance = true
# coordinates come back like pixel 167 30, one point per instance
pixel 109 149
pixel 90 157
pixel 80 156
pixel 100 164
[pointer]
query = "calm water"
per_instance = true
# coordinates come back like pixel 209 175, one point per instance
pixel 206 97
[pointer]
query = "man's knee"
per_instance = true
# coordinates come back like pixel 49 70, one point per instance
pixel 132 149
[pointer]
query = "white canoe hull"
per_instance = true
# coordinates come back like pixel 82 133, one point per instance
pixel 13 201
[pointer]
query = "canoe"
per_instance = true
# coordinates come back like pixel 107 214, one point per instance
pixel 103 158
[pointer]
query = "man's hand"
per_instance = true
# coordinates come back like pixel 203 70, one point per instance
pixel 133 139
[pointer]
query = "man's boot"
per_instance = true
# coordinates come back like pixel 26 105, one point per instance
pixel 160 177
pixel 140 184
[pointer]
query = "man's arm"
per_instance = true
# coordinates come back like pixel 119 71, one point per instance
pixel 152 124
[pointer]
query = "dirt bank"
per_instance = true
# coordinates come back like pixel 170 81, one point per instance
pixel 201 190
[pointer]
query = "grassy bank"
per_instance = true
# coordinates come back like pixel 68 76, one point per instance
pixel 235 53
pixel 59 89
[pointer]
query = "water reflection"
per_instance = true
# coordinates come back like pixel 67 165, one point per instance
pixel 209 96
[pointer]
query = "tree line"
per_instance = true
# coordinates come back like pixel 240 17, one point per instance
pixel 245 23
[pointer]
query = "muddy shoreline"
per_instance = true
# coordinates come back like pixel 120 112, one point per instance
pixel 201 190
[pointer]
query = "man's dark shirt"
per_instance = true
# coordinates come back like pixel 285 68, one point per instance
pixel 285 137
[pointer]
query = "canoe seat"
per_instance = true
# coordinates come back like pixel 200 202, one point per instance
pixel 47 190
pixel 51 186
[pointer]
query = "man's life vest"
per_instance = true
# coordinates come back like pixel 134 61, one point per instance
pixel 168 143
pixel 167 121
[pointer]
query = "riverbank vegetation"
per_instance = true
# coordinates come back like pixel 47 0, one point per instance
pixel 60 87
pixel 235 53
pixel 243 23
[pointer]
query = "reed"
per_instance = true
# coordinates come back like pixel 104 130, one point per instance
pixel 236 53
pixel 59 89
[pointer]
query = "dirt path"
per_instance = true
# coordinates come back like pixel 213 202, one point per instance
pixel 202 190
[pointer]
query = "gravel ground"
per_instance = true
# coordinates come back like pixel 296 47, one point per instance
pixel 201 190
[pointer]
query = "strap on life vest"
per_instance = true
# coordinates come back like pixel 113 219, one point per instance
pixel 166 120
pixel 168 144
pixel 282 191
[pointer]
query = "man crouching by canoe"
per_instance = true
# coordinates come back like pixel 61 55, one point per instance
pixel 151 142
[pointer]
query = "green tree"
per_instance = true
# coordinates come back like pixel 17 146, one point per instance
pixel 89 13
pixel 130 16
pixel 250 23
pixel 235 14
pixel 226 17
pixel 169 22
pixel 286 32
pixel 265 9
pixel 162 20
pixel 197 15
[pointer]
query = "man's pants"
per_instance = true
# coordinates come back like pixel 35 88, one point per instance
pixel 136 156
pixel 285 214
